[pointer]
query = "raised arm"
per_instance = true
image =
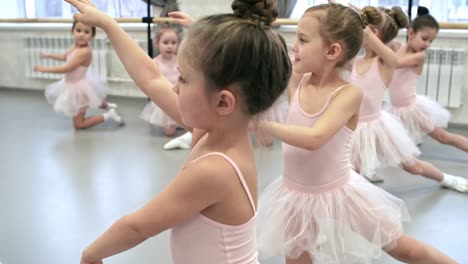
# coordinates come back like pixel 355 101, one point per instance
pixel 340 111
pixel 385 53
pixel 411 60
pixel 137 63
pixel 182 18
pixel 184 198
pixel 80 57
pixel 394 45
pixel 60 57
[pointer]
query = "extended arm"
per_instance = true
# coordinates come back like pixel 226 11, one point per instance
pixel 78 59
pixel 184 198
pixel 343 107
pixel 60 57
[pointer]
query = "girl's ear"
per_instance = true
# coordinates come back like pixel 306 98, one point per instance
pixel 334 52
pixel 411 33
pixel 225 102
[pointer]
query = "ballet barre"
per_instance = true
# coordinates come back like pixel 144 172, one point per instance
pixel 278 22
pixel 156 20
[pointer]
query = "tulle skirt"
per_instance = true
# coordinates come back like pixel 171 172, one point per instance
pixel 421 117
pixel 278 111
pixel 381 142
pixel 155 116
pixel 70 98
pixel 353 223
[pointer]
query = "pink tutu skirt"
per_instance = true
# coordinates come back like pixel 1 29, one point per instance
pixel 70 98
pixel 420 117
pixel 381 141
pixel 352 223
pixel 155 116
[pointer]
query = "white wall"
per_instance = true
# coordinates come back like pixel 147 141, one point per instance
pixel 13 60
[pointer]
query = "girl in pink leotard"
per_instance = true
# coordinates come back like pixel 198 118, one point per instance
pixel 419 114
pixel 210 206
pixel 380 139
pixel 320 210
pixel 79 90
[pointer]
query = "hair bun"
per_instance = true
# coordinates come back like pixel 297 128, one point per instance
pixel 422 11
pixel 261 12
pixel 364 19
pixel 400 17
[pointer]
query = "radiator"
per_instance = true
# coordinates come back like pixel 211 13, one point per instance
pixel 442 78
pixel 34 45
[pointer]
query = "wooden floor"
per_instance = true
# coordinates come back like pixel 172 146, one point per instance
pixel 61 188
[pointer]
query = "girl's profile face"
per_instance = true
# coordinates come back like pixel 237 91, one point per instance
pixel 421 40
pixel 82 34
pixel 309 50
pixel 194 98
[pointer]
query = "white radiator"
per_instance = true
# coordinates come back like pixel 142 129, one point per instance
pixel 442 77
pixel 34 45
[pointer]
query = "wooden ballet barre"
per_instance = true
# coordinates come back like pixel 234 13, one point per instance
pixel 278 22
pixel 69 20
pixel 156 20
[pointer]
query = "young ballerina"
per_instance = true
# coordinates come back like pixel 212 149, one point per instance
pixel 320 210
pixel 419 114
pixel 380 140
pixel 79 90
pixel 210 205
pixel 166 41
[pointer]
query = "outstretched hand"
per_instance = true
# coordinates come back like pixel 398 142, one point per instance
pixel 182 18
pixel 38 68
pixel 89 14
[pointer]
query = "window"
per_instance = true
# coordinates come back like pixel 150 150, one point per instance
pixel 444 11
pixel 60 9
pixel 12 9
pixel 457 10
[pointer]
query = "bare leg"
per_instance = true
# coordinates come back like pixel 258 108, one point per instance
pixel 410 250
pixel 80 121
pixel 303 259
pixel 169 131
pixel 445 137
pixel 419 167
pixel 423 168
